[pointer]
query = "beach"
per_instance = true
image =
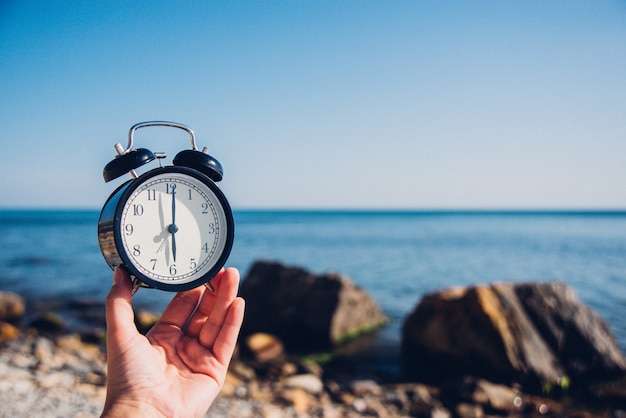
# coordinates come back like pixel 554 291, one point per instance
pixel 66 377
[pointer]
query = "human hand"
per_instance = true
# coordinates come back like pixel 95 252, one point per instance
pixel 179 367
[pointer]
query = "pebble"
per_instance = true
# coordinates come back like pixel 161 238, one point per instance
pixel 307 382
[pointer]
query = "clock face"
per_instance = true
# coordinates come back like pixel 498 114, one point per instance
pixel 175 228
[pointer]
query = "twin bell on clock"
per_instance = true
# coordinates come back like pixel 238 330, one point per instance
pixel 171 227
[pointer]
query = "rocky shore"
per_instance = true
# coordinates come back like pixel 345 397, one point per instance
pixel 41 377
pixel 65 377
pixel 48 368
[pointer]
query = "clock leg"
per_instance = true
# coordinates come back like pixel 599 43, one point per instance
pixel 209 286
pixel 136 285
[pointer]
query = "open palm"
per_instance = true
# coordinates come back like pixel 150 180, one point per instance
pixel 179 367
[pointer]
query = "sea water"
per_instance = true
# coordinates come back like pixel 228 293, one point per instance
pixel 395 256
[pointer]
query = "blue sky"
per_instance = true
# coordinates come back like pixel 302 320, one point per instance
pixel 322 104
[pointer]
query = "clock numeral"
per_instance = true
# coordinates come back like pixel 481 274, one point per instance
pixel 136 250
pixel 151 194
pixel 137 210
pixel 205 247
pixel 170 188
pixel 173 269
pixel 189 194
pixel 205 208
pixel 129 229
pixel 193 264
pixel 211 228
pixel 153 261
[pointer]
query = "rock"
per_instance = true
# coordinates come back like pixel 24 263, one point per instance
pixel 242 371
pixel 307 382
pixel 581 339
pixel 231 383
pixel 440 412
pixel 23 361
pixel 48 323
pixel 396 400
pixel 366 387
pixel 298 397
pixel 307 312
pixel 490 396
pixel 264 347
pixel 43 351
pixel 310 366
pixel 145 320
pixel 468 410
pixel 532 332
pixel 55 380
pixel 72 343
pixel 289 369
pixel 89 311
pixel 96 336
pixel 8 332
pixel 12 307
pixel 422 400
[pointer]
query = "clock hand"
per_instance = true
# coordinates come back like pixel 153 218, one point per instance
pixel 161 213
pixel 174 245
pixel 163 234
pixel 173 228
pixel 162 243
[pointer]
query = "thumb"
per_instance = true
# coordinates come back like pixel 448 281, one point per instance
pixel 119 311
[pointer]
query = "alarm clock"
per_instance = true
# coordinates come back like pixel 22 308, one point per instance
pixel 171 227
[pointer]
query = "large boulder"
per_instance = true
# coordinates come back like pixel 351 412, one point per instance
pixel 533 332
pixel 307 312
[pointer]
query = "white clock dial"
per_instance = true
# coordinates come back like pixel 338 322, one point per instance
pixel 173 228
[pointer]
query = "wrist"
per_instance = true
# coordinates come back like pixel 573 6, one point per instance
pixel 127 408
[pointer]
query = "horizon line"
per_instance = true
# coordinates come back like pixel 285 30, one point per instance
pixel 458 210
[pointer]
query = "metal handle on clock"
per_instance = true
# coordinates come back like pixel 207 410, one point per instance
pixel 136 126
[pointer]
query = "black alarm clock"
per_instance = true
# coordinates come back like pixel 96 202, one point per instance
pixel 171 228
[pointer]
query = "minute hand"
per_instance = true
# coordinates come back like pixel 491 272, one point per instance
pixel 173 228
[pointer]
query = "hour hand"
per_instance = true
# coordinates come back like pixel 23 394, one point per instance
pixel 173 229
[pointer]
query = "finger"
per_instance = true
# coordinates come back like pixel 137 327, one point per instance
pixel 179 309
pixel 220 305
pixel 119 310
pixel 205 306
pixel 226 339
